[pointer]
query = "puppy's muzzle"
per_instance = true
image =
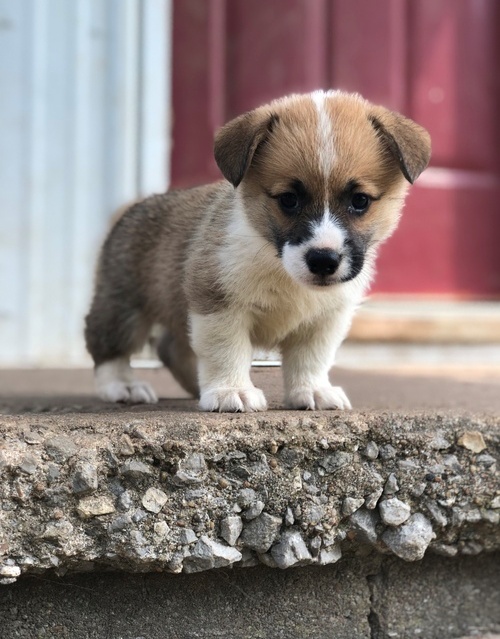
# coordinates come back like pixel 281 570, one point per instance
pixel 322 262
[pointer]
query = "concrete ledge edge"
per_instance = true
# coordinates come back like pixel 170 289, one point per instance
pixel 188 493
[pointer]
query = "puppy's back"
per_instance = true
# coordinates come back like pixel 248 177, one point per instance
pixel 139 278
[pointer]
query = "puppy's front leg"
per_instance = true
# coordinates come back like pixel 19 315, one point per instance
pixel 308 355
pixel 222 344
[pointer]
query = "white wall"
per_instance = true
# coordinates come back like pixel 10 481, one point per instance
pixel 84 129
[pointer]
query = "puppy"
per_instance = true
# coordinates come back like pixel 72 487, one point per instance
pixel 277 256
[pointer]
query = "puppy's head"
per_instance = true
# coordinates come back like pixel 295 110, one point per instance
pixel 323 177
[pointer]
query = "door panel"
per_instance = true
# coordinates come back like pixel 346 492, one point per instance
pixel 434 60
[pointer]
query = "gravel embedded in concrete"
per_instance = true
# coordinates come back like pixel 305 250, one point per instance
pixel 394 512
pixel 364 522
pixel 260 533
pixel 391 485
pixel 191 470
pixel 208 553
pixel 85 478
pixel 60 448
pixel 371 450
pixel 254 510
pixel 187 536
pixel 291 550
pixel 95 506
pixel 333 463
pixel 472 440
pixel 330 555
pixel 351 504
pixel 410 541
pixel 154 499
pixel 372 499
pixel 134 469
pixel 302 488
pixel 230 529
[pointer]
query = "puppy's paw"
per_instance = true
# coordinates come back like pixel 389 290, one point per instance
pixel 322 398
pixel 142 393
pixel 233 400
pixel 135 392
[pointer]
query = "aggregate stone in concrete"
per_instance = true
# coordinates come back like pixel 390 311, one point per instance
pixel 330 555
pixel 394 512
pixel 135 469
pixel 410 541
pixel 246 497
pixel 261 532
pixel 60 448
pixel 278 472
pixel 391 485
pixel 371 450
pixel 472 440
pixel 351 504
pixel 291 550
pixel 122 522
pixel 85 478
pixel 126 446
pixel 208 554
pixel 187 536
pixel 154 499
pixel 95 506
pixel 9 571
pixel 364 523
pixel 334 462
pixel 161 530
pixel 29 465
pixel 372 499
pixel 303 468
pixel 191 470
pixel 231 528
pixel 254 510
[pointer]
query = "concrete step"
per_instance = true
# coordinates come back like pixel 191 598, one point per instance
pixel 427 321
pixel 379 522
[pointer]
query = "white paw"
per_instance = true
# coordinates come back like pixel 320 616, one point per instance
pixel 322 398
pixel 134 392
pixel 142 393
pixel 233 400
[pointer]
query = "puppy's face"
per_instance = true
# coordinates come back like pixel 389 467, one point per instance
pixel 323 177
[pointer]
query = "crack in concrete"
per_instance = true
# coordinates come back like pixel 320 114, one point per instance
pixel 375 582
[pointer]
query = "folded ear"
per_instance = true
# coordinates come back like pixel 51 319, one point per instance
pixel 408 142
pixel 236 142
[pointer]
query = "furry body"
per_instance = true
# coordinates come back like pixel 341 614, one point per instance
pixel 278 256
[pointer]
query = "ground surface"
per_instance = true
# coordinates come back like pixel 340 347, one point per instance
pixel 463 391
pixel 64 455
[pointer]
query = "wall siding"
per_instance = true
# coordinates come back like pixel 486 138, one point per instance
pixel 84 124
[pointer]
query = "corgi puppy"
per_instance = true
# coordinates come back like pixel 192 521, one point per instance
pixel 276 256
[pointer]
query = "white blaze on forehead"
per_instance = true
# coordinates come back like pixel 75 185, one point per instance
pixel 326 152
pixel 326 233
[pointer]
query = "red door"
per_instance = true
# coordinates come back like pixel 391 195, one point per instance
pixel 434 60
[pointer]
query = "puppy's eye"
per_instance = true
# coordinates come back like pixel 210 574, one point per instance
pixel 289 202
pixel 360 202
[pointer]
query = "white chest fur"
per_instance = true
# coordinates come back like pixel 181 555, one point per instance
pixel 259 287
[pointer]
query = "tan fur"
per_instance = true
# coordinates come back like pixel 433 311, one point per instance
pixel 207 263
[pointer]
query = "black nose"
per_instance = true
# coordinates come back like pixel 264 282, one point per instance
pixel 322 261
